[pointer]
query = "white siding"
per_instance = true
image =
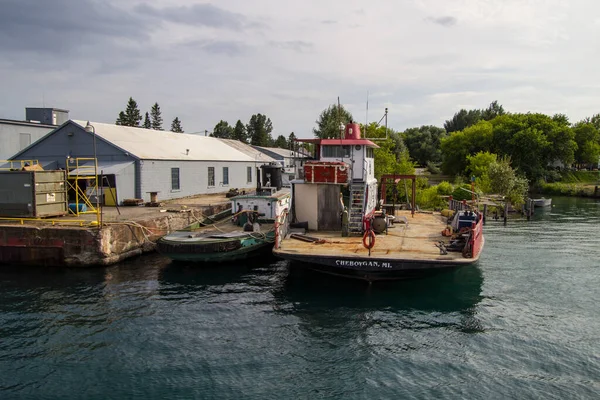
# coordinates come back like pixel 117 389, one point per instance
pixel 193 178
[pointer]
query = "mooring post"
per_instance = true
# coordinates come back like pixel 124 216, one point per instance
pixel 505 213
pixel 484 213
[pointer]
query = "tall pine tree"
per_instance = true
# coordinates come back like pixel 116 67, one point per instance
pixel 131 116
pixel 239 132
pixel 259 130
pixel 156 115
pixel 147 123
pixel 222 130
pixel 176 126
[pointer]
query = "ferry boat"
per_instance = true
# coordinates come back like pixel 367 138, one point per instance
pixel 362 237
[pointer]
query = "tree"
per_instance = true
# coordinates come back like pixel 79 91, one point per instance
pixel 147 123
pixel 505 181
pixel 259 130
pixel 223 130
pixel 462 119
pixel 587 138
pixel 479 167
pixel 156 115
pixel 330 120
pixel 494 110
pixel 424 143
pixel 281 142
pixel 292 141
pixel 131 116
pixel 457 146
pixel 239 132
pixel 176 126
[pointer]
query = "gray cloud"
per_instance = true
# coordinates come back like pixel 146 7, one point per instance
pixel 329 22
pixel 197 15
pixel 295 45
pixel 443 21
pixel 61 26
pixel 226 47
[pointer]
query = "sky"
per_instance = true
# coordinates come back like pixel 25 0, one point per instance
pixel 206 61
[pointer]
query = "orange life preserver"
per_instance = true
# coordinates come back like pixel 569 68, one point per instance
pixel 371 235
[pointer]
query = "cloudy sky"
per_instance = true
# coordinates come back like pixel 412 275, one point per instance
pixel 204 61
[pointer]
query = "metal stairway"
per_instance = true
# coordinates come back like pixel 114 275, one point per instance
pixel 357 206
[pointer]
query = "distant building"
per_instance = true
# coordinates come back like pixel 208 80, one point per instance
pixel 138 161
pixel 291 161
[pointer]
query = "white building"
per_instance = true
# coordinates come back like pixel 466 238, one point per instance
pixel 140 161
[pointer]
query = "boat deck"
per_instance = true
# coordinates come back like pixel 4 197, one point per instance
pixel 221 230
pixel 415 241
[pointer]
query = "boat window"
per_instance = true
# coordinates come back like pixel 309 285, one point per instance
pixel 336 151
pixel 370 153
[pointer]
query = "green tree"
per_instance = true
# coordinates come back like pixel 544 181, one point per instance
pixel 176 126
pixel 494 110
pixel 330 120
pixel 424 143
pixel 281 142
pixel 462 119
pixel 239 132
pixel 292 141
pixel 458 145
pixel 223 130
pixel 157 119
pixel 259 130
pixel 479 167
pixel 131 116
pixel 505 181
pixel 587 138
pixel 147 123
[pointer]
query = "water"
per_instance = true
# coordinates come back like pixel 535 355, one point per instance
pixel 523 323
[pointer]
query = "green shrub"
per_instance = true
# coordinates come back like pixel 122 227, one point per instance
pixel 433 168
pixel 445 188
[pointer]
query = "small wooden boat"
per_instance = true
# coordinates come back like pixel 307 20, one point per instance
pixel 542 202
pixel 226 237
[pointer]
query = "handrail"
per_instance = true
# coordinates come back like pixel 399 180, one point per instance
pixel 22 164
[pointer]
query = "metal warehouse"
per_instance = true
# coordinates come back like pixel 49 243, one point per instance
pixel 137 162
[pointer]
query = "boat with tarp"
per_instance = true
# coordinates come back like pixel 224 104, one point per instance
pixel 245 232
pixel 341 225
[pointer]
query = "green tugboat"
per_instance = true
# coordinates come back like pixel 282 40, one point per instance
pixel 228 237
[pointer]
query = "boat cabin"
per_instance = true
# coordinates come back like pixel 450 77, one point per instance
pixel 342 176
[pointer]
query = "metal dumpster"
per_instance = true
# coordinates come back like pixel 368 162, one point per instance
pixel 33 194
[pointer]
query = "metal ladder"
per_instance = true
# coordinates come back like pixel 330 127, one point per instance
pixel 357 206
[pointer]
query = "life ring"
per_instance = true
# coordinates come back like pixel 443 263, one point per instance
pixel 371 235
pixel 342 168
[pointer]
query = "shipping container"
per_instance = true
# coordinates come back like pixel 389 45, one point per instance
pixel 33 194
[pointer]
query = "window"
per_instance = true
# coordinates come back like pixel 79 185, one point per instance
pixel 249 175
pixel 336 151
pixel 211 176
pixel 174 178
pixel 370 152
pixel 225 176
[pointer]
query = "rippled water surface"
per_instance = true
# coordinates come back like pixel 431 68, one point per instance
pixel 523 323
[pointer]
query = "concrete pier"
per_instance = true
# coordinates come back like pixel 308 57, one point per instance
pixel 80 242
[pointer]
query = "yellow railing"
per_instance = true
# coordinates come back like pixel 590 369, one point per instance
pixel 11 165
pixel 84 171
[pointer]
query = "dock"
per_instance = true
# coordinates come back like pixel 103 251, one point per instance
pixel 80 241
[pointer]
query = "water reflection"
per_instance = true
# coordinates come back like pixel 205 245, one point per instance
pixel 452 291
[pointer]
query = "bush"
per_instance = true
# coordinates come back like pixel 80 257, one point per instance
pixel 460 194
pixel 430 199
pixel 444 188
